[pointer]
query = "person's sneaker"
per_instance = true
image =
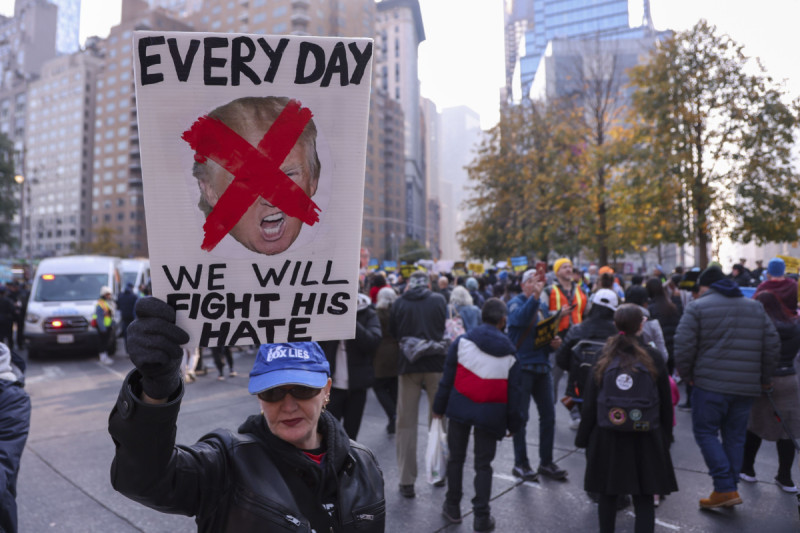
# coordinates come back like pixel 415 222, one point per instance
pixel 720 499
pixel 786 485
pixel 574 423
pixel 105 359
pixel 656 500
pixel 452 513
pixel 525 473
pixel 686 407
pixel 553 472
pixel 483 523
pixel 407 491
pixel 232 374
pixel 747 476
pixel 440 483
pixel 391 427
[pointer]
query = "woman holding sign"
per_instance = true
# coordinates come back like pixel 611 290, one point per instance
pixel 626 425
pixel 292 466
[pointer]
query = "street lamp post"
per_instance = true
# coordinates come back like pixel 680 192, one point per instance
pixel 20 179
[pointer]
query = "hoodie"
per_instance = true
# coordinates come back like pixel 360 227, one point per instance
pixel 480 385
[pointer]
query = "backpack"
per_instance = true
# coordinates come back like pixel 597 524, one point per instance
pixel 628 400
pixel 584 356
pixel 453 326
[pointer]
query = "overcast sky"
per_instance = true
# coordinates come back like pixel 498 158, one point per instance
pixel 461 62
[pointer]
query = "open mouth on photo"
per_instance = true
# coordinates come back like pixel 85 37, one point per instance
pixel 272 226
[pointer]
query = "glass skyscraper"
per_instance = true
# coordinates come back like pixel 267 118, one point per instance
pixel 69 25
pixel 601 19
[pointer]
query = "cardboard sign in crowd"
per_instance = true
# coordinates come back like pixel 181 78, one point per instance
pixel 253 155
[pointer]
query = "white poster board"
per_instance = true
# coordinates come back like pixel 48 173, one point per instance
pixel 252 238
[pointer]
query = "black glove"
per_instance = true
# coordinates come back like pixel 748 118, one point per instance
pixel 154 347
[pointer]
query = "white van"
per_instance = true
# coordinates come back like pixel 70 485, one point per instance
pixel 136 272
pixel 63 296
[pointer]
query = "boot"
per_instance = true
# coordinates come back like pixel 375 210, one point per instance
pixel 720 499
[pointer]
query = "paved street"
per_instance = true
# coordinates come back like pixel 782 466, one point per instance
pixel 64 480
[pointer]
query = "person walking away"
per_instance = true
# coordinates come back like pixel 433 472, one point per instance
pixel 15 422
pixel 472 286
pixel 741 276
pixel 221 355
pixel 781 286
pixel 290 466
pixel 727 347
pixel 626 425
pixel 651 332
pixel 762 424
pixel 103 320
pixel 352 372
pixel 583 343
pixel 125 303
pixel 385 362
pixel 8 316
pixel 417 321
pixel 525 311
pixel 478 390
pixel 461 304
pixel 664 310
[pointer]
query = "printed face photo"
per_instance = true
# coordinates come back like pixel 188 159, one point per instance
pixel 263 228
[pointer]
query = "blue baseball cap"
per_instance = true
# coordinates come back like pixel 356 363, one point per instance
pixel 291 363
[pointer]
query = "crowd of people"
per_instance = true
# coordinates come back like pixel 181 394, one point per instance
pixel 611 350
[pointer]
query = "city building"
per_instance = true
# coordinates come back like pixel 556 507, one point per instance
pixel 461 133
pixel 580 19
pixel 517 18
pixel 383 228
pixel 431 152
pixel 68 27
pixel 57 186
pixel 398 33
pixel 117 201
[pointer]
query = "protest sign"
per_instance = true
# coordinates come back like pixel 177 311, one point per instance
pixel 520 263
pixel 253 154
pixel 546 330
pixel 476 268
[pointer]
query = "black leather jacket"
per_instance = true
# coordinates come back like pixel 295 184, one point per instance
pixel 245 481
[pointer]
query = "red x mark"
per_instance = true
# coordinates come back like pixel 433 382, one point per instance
pixel 256 171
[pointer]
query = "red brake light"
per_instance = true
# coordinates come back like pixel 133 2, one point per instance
pixel 57 323
pixel 48 277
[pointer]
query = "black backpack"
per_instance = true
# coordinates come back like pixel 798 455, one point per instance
pixel 584 356
pixel 628 399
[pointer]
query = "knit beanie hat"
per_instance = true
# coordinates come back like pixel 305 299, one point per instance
pixel 559 263
pixel 710 276
pixel 776 267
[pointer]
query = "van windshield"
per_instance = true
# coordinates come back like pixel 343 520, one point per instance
pixel 129 277
pixel 69 287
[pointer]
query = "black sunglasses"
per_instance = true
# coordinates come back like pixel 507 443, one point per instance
pixel 277 394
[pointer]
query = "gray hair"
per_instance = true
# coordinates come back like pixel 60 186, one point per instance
pixel 460 296
pixel 386 297
pixel 255 113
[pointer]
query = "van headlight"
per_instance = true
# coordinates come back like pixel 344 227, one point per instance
pixel 33 318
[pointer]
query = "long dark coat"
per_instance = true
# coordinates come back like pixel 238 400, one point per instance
pixel 620 462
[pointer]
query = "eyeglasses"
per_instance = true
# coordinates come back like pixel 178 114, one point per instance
pixel 298 392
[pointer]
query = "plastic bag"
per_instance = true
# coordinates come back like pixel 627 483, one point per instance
pixel 436 453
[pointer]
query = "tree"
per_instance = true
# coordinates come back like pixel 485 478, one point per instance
pixel 105 242
pixel 9 203
pixel 527 187
pixel 714 138
pixel 412 251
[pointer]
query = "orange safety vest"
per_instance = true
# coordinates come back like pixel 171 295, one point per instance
pixel 557 301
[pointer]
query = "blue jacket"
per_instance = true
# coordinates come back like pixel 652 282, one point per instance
pixel 521 312
pixel 480 385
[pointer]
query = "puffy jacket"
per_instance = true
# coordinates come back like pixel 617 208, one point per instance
pixel 479 385
pixel 652 334
pixel 242 482
pixel 726 343
pixel 360 351
pixel 789 333
pixel 521 311
pixel 419 313
pixel 15 420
